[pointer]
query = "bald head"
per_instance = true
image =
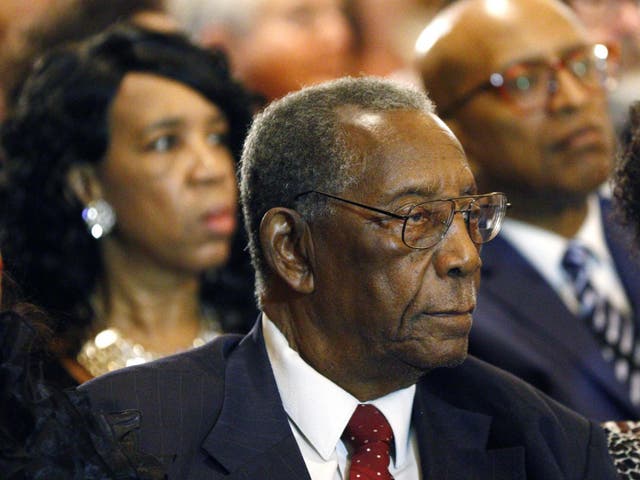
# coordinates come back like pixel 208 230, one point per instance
pixel 471 39
pixel 521 86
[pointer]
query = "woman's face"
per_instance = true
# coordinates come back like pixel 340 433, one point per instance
pixel 169 175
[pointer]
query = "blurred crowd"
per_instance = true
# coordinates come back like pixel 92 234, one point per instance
pixel 123 124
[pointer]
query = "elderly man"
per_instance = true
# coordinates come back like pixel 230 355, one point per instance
pixel 365 228
pixel 275 46
pixel 522 88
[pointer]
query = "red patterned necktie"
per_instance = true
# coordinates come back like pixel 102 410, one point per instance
pixel 369 435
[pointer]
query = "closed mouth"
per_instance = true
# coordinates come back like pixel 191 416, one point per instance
pixel 581 137
pixel 220 220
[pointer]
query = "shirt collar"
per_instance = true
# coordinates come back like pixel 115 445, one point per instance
pixel 549 247
pixel 304 390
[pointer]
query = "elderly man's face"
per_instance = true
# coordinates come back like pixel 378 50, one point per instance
pixel 386 309
pixel 294 43
pixel 564 147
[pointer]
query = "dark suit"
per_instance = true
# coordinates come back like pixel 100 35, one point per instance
pixel 522 325
pixel 215 412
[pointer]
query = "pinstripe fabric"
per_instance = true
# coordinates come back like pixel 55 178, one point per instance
pixel 215 413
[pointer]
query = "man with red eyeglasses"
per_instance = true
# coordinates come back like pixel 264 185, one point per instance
pixel 522 87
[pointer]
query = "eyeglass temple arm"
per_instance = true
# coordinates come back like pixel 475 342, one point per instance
pixel 447 111
pixel 361 205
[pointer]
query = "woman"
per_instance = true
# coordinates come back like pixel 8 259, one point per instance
pixel 64 21
pixel 120 196
pixel 624 437
pixel 627 175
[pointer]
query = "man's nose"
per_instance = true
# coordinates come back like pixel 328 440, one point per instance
pixel 568 93
pixel 457 255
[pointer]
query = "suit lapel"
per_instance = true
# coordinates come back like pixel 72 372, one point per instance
pixel 453 443
pixel 513 282
pixel 252 437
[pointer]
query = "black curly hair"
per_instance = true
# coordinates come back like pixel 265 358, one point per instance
pixel 46 432
pixel 627 173
pixel 60 120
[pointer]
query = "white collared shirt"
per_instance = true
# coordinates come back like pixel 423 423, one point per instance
pixel 319 411
pixel 544 251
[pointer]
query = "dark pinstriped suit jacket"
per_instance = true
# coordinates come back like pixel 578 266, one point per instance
pixel 522 325
pixel 215 412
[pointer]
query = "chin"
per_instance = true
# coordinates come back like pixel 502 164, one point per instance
pixel 214 256
pixel 452 355
pixel 441 359
pixel 454 361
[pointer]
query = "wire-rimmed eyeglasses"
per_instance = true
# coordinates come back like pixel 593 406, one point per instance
pixel 426 223
pixel 528 85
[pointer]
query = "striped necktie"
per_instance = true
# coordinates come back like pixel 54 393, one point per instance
pixel 614 331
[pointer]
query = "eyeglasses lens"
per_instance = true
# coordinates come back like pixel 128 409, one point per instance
pixel 529 84
pixel 427 223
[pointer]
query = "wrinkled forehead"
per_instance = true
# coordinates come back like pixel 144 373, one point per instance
pixel 404 149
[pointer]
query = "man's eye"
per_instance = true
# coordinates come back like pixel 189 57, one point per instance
pixel 522 83
pixel 418 216
pixel 163 143
pixel 581 68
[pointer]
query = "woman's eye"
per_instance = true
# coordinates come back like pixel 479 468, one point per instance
pixel 163 143
pixel 218 139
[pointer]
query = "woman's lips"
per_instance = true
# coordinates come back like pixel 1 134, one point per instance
pixel 221 221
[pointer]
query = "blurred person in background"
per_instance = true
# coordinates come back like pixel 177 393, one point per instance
pixel 617 23
pixel 120 204
pixel 68 21
pixel 520 84
pixel 385 33
pixel 15 17
pixel 275 46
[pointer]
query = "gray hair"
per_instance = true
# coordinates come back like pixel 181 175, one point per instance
pixel 195 16
pixel 298 143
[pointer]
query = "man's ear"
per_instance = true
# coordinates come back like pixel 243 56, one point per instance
pixel 288 249
pixel 83 183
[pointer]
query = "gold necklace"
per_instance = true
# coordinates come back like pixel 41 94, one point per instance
pixel 110 350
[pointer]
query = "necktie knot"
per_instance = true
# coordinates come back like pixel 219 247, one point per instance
pixel 369 435
pixel 575 260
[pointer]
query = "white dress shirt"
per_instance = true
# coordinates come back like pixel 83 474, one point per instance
pixel 319 411
pixel 544 251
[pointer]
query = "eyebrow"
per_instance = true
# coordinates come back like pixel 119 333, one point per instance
pixel 542 57
pixel 426 193
pixel 410 190
pixel 173 122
